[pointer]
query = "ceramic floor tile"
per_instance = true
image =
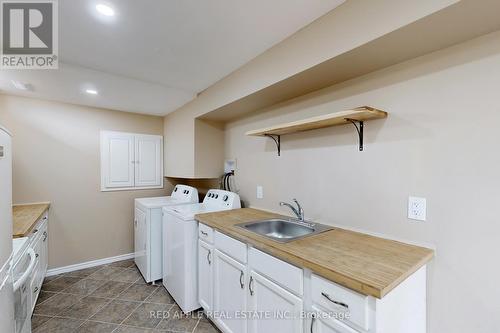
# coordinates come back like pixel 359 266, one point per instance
pixel 59 325
pixel 130 329
pixel 147 315
pixel 96 327
pixel 85 308
pixel 110 289
pixel 161 296
pixel 137 292
pixel 177 321
pixel 47 279
pixel 60 284
pixel 44 295
pixel 84 287
pixel 115 312
pixel 37 321
pixel 124 263
pixel 105 273
pixel 126 275
pixel 56 304
pixel 205 327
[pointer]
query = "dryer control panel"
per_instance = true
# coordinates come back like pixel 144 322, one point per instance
pixel 223 199
pixel 185 193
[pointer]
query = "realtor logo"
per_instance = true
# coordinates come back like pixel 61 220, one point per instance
pixel 29 34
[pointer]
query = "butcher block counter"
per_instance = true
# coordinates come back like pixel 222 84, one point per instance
pixel 369 265
pixel 25 217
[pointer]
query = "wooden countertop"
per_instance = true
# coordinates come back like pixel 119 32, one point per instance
pixel 25 218
pixel 367 264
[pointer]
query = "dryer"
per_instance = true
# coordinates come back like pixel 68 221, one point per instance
pixel 180 245
pixel 148 229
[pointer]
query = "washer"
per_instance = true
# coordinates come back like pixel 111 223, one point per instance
pixel 180 245
pixel 148 229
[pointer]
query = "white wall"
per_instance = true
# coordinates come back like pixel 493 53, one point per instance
pixel 439 142
pixel 56 159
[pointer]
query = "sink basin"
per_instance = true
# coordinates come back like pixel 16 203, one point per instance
pixel 282 230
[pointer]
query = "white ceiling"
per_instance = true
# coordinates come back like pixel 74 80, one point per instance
pixel 156 55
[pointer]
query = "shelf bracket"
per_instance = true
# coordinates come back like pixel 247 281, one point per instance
pixel 359 129
pixel 277 141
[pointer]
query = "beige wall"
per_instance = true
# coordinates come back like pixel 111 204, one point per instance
pixel 352 24
pixel 56 159
pixel 438 142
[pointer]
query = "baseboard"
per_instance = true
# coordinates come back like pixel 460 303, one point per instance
pixel 88 264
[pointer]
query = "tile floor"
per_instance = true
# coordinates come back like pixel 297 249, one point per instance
pixel 110 298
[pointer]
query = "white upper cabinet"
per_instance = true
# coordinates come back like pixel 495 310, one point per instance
pixel 148 164
pixel 131 161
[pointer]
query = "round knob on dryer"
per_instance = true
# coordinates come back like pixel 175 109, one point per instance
pixel 225 197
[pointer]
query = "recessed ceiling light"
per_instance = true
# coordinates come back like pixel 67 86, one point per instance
pixel 105 10
pixel 91 91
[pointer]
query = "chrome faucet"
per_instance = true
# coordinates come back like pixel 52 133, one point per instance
pixel 299 212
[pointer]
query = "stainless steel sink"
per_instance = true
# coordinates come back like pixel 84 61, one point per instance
pixel 282 230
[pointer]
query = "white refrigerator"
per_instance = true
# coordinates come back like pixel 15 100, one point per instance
pixel 6 287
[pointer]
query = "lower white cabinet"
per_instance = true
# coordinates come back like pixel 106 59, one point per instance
pixel 229 293
pixel 39 243
pixel 246 290
pixel 279 310
pixel 205 275
pixel 321 323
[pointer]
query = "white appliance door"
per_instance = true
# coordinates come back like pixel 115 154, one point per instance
pixel 181 261
pixel 140 243
pixel 6 292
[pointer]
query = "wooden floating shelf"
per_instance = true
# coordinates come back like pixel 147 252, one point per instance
pixel 354 116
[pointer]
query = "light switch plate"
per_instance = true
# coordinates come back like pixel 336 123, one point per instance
pixel 260 192
pixel 417 208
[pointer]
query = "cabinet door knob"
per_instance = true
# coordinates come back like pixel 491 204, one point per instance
pixel 242 284
pixel 325 295
pixel 250 284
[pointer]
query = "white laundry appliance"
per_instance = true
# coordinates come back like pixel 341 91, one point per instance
pixel 180 245
pixel 148 229
pixel 7 321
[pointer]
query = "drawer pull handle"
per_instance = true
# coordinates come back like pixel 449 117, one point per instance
pixel 325 295
pixel 242 284
pixel 250 284
pixel 313 319
pixel 209 254
pixel 204 233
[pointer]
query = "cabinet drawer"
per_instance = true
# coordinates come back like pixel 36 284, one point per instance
pixel 206 233
pixel 288 276
pixel 333 297
pixel 231 247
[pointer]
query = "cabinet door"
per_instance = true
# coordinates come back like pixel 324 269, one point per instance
pixel 321 323
pixel 282 309
pixel 205 275
pixel 117 160
pixel 229 293
pixel 148 161
pixel 140 241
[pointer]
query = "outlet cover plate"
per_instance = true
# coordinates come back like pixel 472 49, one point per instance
pixel 417 208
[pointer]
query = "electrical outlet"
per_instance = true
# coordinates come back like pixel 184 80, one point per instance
pixel 260 192
pixel 417 208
